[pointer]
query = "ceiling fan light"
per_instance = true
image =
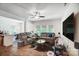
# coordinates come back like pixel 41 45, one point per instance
pixel 36 17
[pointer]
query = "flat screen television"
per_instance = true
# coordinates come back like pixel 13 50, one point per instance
pixel 68 27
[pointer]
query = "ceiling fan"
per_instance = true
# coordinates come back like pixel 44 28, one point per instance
pixel 37 14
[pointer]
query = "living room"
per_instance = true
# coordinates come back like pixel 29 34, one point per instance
pixel 35 29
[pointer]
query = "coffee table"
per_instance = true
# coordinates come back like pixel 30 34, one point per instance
pixel 40 41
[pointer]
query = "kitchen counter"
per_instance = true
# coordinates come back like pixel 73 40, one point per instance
pixel 6 40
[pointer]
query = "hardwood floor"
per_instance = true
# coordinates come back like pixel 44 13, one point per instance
pixel 23 51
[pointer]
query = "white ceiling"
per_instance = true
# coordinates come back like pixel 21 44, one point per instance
pixel 21 10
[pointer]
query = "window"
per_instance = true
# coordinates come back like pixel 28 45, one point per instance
pixel 43 28
pixel 50 28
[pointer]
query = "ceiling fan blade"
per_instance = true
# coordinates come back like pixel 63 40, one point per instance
pixel 42 16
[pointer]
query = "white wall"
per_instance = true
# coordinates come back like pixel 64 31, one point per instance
pixel 69 44
pixel 11 25
pixel 77 28
pixel 56 24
